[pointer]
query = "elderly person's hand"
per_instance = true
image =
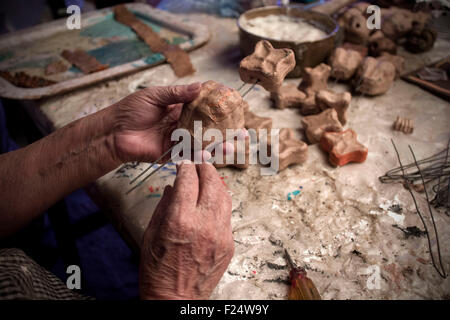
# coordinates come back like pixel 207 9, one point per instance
pixel 145 121
pixel 188 243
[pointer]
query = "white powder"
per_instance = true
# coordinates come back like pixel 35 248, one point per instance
pixel 283 28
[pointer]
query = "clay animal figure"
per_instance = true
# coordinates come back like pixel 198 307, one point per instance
pixel 343 147
pixel 218 107
pixel 316 125
pixel 338 101
pixel 374 77
pixel 344 63
pixel 267 66
pixel 288 96
pixel 291 150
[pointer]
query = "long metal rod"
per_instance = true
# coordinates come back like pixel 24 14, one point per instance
pixel 151 165
pixel 251 88
pixel 148 176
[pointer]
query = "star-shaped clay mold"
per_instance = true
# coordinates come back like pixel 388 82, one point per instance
pixel 343 147
pixel 339 101
pixel 291 150
pixel 267 66
pixel 288 96
pixel 316 125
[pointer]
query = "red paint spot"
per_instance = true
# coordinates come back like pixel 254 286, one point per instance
pixel 150 189
pixel 254 272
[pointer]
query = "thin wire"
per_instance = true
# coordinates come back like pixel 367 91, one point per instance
pixel 251 88
pixel 151 165
pixel 148 176
pixel 407 186
pixel 432 217
pixel 241 87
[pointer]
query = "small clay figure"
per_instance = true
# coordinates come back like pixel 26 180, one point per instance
pixel 267 66
pixel 380 45
pixel 291 150
pixel 354 24
pixel 344 63
pixel 343 147
pixel 338 101
pixel 398 22
pixel 363 51
pixel 309 105
pixel 315 79
pixel 374 77
pixel 417 42
pixel 252 121
pixel 288 96
pixel 316 125
pixel 397 61
pixel 404 125
pixel 217 106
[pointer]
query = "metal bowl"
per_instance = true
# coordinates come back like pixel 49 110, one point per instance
pixel 307 54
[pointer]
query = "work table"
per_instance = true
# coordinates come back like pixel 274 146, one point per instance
pixel 334 222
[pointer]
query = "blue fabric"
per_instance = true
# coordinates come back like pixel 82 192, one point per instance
pixel 107 265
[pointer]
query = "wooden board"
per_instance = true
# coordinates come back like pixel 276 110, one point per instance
pixel 110 42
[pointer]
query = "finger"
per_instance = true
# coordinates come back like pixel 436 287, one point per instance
pixel 164 96
pixel 185 188
pixel 210 185
pixel 175 111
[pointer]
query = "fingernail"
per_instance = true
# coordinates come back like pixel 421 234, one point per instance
pixel 206 155
pixel 184 161
pixel 229 148
pixel 194 87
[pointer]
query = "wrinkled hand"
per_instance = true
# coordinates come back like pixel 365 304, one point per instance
pixel 145 121
pixel 188 243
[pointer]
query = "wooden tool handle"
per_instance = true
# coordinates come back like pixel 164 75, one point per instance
pixel 332 6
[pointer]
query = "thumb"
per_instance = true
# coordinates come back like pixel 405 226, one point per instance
pixel 164 96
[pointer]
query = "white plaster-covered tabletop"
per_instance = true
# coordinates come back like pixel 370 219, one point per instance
pixel 338 227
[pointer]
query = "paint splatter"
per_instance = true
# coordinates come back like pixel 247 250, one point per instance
pixel 223 181
pixel 294 193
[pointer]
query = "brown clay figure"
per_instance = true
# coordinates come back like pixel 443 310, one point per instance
pixel 267 66
pixel 288 96
pixel 315 79
pixel 374 77
pixel 417 42
pixel 354 24
pixel 338 101
pixel 217 106
pixel 380 45
pixel 343 147
pixel 363 51
pixel 252 121
pixel 397 61
pixel 344 63
pixel 398 22
pixel 291 150
pixel 316 125
pixel 309 105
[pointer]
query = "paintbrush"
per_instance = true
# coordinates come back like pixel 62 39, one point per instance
pixel 302 287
